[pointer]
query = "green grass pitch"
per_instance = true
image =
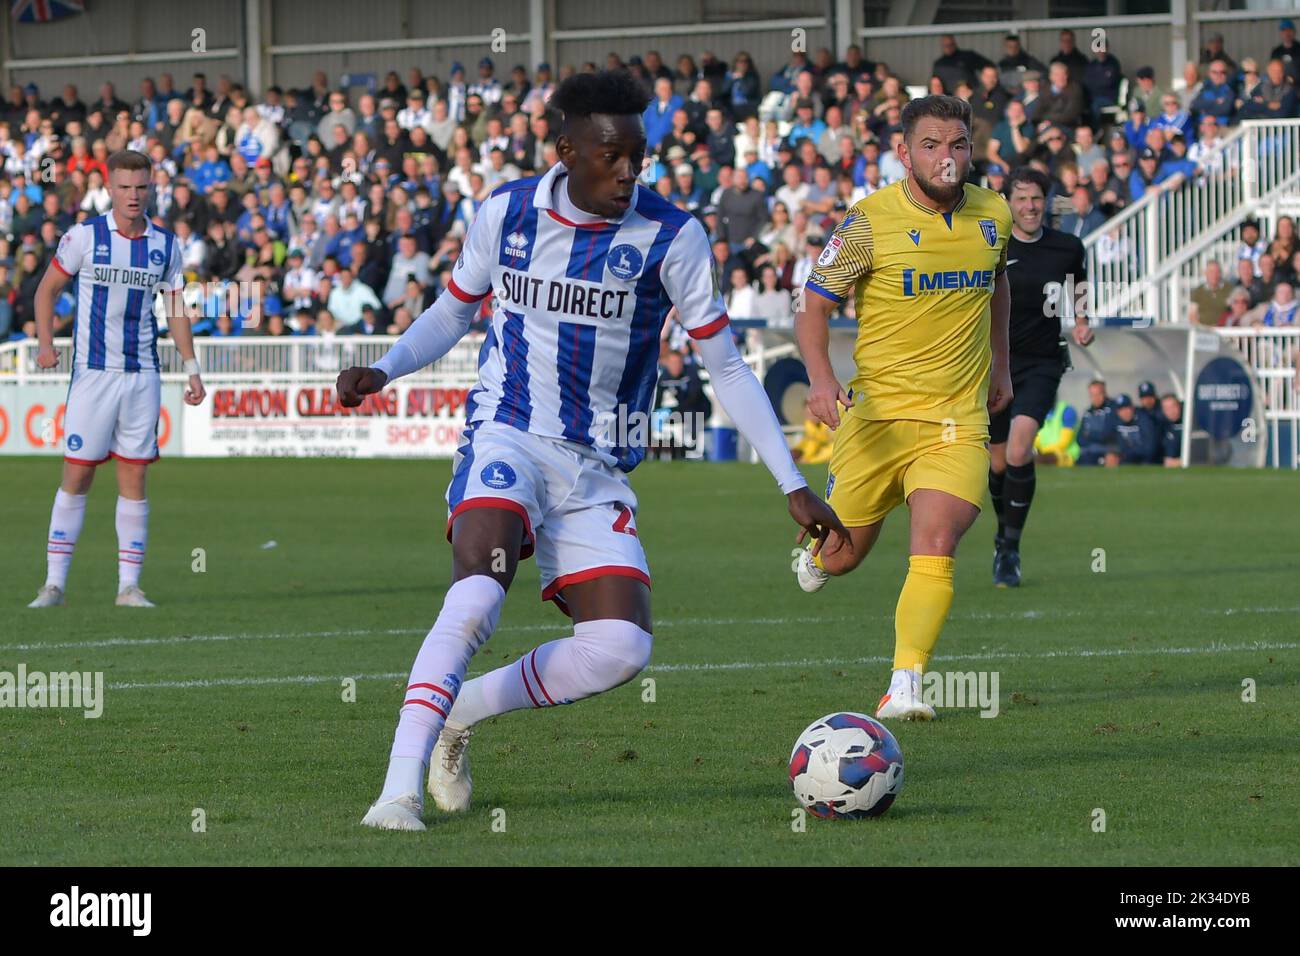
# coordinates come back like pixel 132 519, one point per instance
pixel 1119 690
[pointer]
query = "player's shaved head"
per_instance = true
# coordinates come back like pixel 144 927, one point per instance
pixel 602 139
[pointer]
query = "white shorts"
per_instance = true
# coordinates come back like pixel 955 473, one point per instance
pixel 579 513
pixel 111 414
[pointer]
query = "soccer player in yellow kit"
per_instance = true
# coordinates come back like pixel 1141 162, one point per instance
pixel 924 259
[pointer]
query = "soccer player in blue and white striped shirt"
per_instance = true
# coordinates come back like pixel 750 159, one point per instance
pixel 585 265
pixel 120 261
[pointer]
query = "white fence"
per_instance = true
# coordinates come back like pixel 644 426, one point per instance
pixel 288 359
pixel 1136 259
pixel 256 358
pixel 1274 355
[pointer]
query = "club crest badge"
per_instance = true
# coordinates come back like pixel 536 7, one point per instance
pixel 624 262
pixel 990 230
pixel 498 475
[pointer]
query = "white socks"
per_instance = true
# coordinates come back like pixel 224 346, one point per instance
pixel 905 681
pixel 132 532
pixel 599 656
pixel 469 616
pixel 65 527
pixel 66 518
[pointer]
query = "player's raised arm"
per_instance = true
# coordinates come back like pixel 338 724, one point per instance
pixel 688 277
pixel 441 325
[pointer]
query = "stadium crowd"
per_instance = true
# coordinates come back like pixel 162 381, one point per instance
pixel 345 211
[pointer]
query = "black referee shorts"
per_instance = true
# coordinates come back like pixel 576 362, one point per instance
pixel 1033 387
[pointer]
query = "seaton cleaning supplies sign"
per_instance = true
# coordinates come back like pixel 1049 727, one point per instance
pixel 303 420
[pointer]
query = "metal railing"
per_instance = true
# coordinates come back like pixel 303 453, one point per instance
pixel 1274 354
pixel 286 359
pixel 1135 259
pixel 257 357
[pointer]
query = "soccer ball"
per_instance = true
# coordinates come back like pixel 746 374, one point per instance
pixel 846 766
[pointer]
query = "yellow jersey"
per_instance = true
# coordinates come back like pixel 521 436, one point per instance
pixel 922 283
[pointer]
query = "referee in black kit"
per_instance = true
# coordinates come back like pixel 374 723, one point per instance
pixel 1046 269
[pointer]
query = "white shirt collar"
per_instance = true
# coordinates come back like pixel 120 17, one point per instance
pixel 112 226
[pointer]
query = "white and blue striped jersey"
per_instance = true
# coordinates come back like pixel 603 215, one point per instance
pixel 117 279
pixel 574 341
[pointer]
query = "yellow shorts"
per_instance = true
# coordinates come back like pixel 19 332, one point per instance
pixel 876 465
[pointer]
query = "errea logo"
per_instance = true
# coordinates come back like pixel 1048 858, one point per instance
pixel 515 243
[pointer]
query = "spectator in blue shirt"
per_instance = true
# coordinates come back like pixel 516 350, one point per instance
pixel 278 212
pixel 1096 437
pixel 1135 127
pixel 658 116
pixel 212 170
pixel 339 245
pixel 684 188
pixel 1173 117
pixel 1274 97
pixel 805 126
pixel 1217 97
pixel 782 80
pixel 1177 161
pixel 756 168
pixel 1135 435
pixel 1149 174
pixel 244 224
pixel 1101 80
pixel 740 89
pixel 1085 217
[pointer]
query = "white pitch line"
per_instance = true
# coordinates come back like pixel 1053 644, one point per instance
pixel 249 681
pixel 1079 653
pixel 192 639
pixel 558 628
pixel 1070 654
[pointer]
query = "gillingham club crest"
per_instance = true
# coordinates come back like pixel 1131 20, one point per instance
pixel 990 230
pixel 624 262
pixel 498 475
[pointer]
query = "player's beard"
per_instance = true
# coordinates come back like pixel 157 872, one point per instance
pixel 940 192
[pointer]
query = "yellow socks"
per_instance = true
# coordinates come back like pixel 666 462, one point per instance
pixel 922 608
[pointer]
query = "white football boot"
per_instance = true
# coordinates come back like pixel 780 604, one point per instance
pixel 132 596
pixel 810 577
pixel 50 595
pixel 401 813
pixel 450 784
pixel 903 700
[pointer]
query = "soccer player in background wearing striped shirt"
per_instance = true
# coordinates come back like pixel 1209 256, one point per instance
pixel 584 264
pixel 120 261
